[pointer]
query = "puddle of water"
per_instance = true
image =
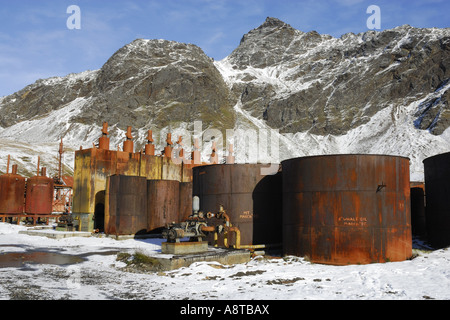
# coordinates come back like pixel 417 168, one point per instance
pixel 20 259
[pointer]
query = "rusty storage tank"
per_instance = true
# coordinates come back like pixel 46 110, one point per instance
pixel 163 203
pixel 39 195
pixel 418 220
pixel 347 209
pixel 250 195
pixel 125 205
pixel 437 212
pixel 185 200
pixel 12 192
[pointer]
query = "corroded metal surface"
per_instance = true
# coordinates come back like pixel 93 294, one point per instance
pixel 347 209
pixel 185 200
pixel 251 199
pixel 39 195
pixel 126 205
pixel 437 183
pixel 162 203
pixel 12 192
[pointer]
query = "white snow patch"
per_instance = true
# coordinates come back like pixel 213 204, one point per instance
pixel 100 277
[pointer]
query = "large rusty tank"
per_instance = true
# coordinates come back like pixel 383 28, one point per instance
pixel 251 196
pixel 39 195
pixel 437 184
pixel 163 204
pixel 125 205
pixel 12 192
pixel 347 209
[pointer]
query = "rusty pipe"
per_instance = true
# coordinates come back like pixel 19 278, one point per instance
pixel 207 229
pixel 238 237
pixel 7 165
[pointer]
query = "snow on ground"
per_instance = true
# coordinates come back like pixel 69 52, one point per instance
pixel 100 276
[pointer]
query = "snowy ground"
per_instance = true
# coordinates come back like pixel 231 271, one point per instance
pixel 100 275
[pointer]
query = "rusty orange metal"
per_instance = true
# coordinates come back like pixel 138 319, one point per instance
pixel 437 184
pixel 150 147
pixel 250 196
pixel 347 209
pixel 128 145
pixel 126 205
pixel 12 192
pixel 39 195
pixel 163 203
pixel 168 148
pixel 185 194
pixel 103 141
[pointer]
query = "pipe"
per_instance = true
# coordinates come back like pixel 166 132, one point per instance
pixel 207 229
pixel 238 238
pixel 7 166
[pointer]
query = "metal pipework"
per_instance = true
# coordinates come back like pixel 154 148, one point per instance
pixel 150 147
pixel 103 141
pixel 199 225
pixel 168 148
pixel 128 145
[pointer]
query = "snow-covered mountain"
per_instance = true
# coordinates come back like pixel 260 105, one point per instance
pixel 308 94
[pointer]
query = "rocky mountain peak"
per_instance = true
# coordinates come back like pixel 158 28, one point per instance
pixel 274 23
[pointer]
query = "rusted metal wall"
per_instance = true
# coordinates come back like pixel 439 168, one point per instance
pixel 126 205
pixel 347 209
pixel 93 167
pixel 185 200
pixel 163 203
pixel 437 183
pixel 12 192
pixel 39 195
pixel 251 199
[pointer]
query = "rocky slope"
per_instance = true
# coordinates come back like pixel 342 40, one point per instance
pixel 375 92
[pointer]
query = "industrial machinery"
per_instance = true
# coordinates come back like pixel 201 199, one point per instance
pixel 197 227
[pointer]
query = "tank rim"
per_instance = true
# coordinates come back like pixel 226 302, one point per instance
pixel 348 155
pixel 436 156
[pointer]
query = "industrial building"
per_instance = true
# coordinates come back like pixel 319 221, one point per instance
pixel 333 209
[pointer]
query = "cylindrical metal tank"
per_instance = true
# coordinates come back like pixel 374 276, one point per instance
pixel 437 185
pixel 185 200
pixel 163 203
pixel 126 205
pixel 39 195
pixel 12 193
pixel 250 195
pixel 347 209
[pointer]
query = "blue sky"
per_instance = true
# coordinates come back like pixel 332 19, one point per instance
pixel 36 43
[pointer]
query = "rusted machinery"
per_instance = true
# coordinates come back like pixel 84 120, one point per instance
pixel 39 195
pixel 12 187
pixel 62 201
pixel 93 167
pixel 347 209
pixel 197 227
pixel 437 182
pixel 252 198
pixel 35 197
